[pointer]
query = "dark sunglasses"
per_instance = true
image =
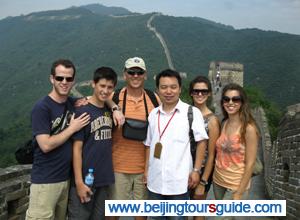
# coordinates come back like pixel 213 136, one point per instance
pixel 133 72
pixel 198 91
pixel 61 78
pixel 234 99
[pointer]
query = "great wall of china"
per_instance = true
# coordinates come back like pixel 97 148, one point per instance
pixel 280 180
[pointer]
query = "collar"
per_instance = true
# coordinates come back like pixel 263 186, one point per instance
pixel 129 97
pixel 179 106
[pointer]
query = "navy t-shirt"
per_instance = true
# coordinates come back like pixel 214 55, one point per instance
pixel 97 144
pixel 54 166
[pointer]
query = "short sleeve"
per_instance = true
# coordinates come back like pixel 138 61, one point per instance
pixel 147 142
pixel 40 120
pixel 198 126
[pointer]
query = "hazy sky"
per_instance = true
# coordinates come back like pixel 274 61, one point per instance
pixel 278 15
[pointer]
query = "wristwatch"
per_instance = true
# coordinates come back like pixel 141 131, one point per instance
pixel 203 182
pixel 115 108
pixel 196 170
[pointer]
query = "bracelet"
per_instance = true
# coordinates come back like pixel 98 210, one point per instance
pixel 196 170
pixel 203 182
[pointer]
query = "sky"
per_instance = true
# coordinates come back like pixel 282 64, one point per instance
pixel 275 15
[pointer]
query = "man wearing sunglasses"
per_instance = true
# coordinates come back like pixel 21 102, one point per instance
pixel 53 124
pixel 129 155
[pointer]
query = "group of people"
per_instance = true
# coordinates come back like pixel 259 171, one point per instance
pixel 157 162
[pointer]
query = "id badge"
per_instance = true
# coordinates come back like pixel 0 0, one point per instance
pixel 157 150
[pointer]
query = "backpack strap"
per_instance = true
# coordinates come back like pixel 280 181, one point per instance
pixel 190 118
pixel 193 145
pixel 152 97
pixel 145 104
pixel 150 94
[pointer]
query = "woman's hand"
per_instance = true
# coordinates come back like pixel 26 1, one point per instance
pixel 237 196
pixel 199 192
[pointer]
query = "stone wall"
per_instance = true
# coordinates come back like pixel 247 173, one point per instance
pixel 281 169
pixel 14 191
pixel 282 161
pixel 266 144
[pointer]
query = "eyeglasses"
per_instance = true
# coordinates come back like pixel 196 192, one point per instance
pixel 234 99
pixel 198 91
pixel 61 78
pixel 133 72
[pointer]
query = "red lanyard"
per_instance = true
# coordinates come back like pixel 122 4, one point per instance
pixel 160 135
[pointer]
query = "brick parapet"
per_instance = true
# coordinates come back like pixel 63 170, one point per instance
pixel 286 156
pixel 14 191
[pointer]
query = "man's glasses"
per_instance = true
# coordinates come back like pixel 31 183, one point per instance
pixel 234 99
pixel 61 78
pixel 133 72
pixel 198 91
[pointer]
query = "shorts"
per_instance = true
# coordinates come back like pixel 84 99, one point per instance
pixel 128 186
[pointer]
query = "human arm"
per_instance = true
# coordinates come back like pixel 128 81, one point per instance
pixel 201 137
pixel 251 144
pixel 118 116
pixel 83 191
pixel 200 153
pixel 147 154
pixel 214 133
pixel 49 142
pixel 147 144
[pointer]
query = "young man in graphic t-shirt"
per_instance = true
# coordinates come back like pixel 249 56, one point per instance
pixel 92 149
pixel 52 157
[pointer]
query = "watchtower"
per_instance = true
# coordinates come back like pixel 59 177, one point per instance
pixel 226 73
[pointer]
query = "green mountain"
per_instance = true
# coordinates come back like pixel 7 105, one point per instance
pixel 95 35
pixel 102 10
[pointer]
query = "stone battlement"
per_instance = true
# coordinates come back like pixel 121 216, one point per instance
pixel 14 191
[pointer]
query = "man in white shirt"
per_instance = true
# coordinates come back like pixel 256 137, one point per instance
pixel 168 158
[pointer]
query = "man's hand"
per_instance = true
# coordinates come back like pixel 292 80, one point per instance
pixel 193 179
pixel 145 177
pixel 118 118
pixel 81 102
pixel 77 123
pixel 84 193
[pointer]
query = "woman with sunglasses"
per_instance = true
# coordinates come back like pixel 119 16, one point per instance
pixel 200 91
pixel 236 146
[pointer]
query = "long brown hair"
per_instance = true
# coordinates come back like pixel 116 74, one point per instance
pixel 244 112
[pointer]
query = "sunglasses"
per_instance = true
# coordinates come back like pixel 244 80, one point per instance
pixel 198 91
pixel 61 78
pixel 133 72
pixel 234 99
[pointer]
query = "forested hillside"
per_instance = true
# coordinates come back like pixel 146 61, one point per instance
pixel 96 35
